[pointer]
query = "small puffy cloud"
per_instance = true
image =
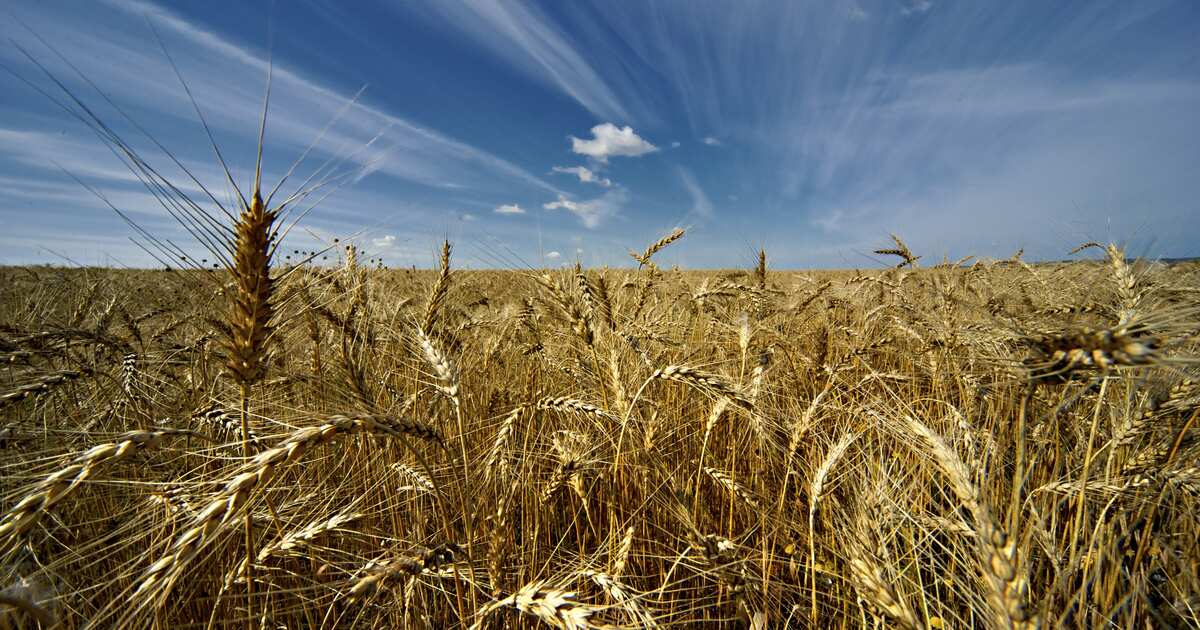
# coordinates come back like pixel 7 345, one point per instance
pixel 585 175
pixel 609 140
pixel 385 242
pixel 466 216
pixel 509 208
pixel 711 141
pixel 592 212
pixel 553 255
pixel 675 145
pixel 858 14
pixel 917 6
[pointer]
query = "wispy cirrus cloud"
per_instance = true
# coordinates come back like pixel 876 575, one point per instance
pixel 702 206
pixel 229 80
pixel 528 40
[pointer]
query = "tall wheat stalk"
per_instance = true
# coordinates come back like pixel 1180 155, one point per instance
pixel 249 320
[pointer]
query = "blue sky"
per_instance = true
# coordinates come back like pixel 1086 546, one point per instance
pixel 540 133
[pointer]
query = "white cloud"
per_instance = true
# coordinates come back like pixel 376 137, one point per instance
pixel 858 14
pixel 675 145
pixel 610 140
pixel 509 208
pixel 917 6
pixel 711 141
pixel 592 212
pixel 466 216
pixel 384 243
pixel 553 255
pixel 585 175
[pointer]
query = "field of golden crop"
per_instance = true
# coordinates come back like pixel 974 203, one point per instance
pixel 987 445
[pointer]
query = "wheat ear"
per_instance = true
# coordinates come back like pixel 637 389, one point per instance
pixel 1003 569
pixel 644 258
pixel 704 381
pixel 437 294
pixel 553 606
pixel 58 486
pixel 377 573
pixel 256 475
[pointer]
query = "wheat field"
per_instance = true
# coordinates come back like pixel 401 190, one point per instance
pixel 972 444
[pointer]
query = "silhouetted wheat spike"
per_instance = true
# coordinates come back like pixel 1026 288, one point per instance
pixel 1062 353
pixel 902 251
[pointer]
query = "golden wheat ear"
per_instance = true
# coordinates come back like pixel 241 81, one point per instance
pixel 251 309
